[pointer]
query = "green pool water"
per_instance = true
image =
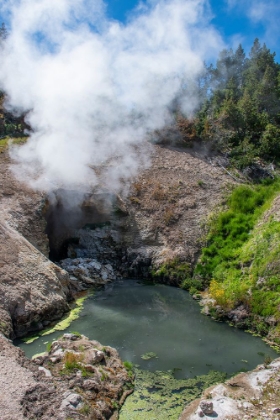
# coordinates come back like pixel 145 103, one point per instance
pixel 166 322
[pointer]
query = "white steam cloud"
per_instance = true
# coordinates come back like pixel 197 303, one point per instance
pixel 94 88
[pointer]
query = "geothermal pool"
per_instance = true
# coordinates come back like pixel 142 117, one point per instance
pixel 176 351
pixel 164 321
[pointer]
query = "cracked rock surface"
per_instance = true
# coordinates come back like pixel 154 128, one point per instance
pixel 251 395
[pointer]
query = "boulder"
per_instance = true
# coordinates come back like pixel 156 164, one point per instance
pixel 206 407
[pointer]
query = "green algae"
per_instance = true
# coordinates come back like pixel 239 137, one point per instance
pixel 149 355
pixel 43 353
pixel 61 325
pixel 159 396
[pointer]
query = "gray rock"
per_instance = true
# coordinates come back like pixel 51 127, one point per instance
pixel 88 270
pixel 99 356
pixel 71 401
pixel 69 336
pixel 47 372
pixel 90 368
pixel 75 382
pixel 90 384
pixel 96 265
pixel 206 407
pixel 58 353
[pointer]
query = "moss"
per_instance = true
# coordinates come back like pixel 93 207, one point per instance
pixel 61 325
pixel 158 395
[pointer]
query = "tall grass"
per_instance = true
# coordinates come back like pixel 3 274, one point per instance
pixel 232 228
pixel 241 260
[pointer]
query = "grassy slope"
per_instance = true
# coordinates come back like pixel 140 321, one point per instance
pixel 241 261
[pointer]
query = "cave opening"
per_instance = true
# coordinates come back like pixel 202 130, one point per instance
pixel 70 213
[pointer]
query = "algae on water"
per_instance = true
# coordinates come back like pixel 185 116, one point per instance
pixel 149 355
pixel 61 325
pixel 159 396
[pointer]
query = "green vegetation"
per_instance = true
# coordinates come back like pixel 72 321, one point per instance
pixel 76 333
pixel 240 262
pixel 232 228
pixel 6 141
pixel 128 365
pixel 85 409
pixel 129 369
pixel 115 405
pixel 173 271
pixel 158 395
pixel 48 346
pixel 73 362
pixel 240 99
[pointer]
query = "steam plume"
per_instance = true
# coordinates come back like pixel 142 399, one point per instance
pixel 93 87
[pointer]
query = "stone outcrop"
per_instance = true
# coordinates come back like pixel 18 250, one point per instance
pixel 252 395
pixel 33 289
pixel 88 272
pixel 92 385
pixel 92 380
pixel 77 379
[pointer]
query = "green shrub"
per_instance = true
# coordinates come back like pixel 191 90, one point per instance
pixel 173 271
pixel 192 284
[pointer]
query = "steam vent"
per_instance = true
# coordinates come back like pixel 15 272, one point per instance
pixel 139 210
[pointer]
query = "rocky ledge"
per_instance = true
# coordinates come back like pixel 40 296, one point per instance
pixel 251 395
pixel 77 379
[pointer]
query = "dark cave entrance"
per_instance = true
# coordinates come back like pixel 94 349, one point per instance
pixel 67 212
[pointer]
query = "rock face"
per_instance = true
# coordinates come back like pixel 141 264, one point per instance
pixel 169 203
pixel 88 271
pixel 252 395
pixel 33 290
pixel 65 383
pixel 161 218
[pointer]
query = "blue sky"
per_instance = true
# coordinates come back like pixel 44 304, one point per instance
pixel 238 21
